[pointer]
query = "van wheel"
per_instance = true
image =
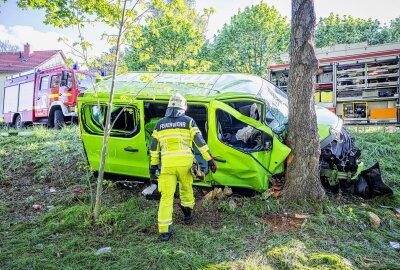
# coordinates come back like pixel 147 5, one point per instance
pixel 59 121
pixel 18 124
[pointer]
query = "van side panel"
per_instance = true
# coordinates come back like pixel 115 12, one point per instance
pixel 125 155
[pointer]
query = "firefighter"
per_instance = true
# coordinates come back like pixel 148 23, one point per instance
pixel 172 139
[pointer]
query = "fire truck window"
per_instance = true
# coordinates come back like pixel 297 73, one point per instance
pixel 54 81
pixel 69 80
pixel 125 120
pixel 44 83
pixel 241 136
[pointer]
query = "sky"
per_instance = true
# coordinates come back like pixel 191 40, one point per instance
pixel 22 26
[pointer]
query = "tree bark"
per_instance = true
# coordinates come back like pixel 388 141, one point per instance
pixel 302 178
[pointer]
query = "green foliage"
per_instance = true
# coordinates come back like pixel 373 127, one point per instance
pixel 104 63
pixel 70 62
pixel 347 29
pixel 66 13
pixel 391 33
pixel 170 40
pixel 253 38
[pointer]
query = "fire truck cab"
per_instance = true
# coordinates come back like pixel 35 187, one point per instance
pixel 44 96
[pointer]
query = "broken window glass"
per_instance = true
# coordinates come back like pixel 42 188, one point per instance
pixel 277 109
pixel 125 120
pixel 241 136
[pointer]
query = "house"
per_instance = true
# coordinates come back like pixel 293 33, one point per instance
pixel 22 62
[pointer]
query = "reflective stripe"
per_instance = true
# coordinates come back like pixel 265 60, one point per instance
pixel 154 153
pixel 155 135
pixel 187 204
pixel 204 149
pixel 194 130
pixel 176 135
pixel 183 145
pixel 169 222
pixel 177 153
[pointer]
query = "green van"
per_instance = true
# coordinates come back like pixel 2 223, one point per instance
pixel 242 117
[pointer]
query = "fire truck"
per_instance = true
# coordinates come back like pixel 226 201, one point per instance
pixel 44 96
pixel 359 82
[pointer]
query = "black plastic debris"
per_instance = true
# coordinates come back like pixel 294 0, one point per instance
pixel 369 184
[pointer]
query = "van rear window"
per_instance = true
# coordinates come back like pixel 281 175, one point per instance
pixel 125 120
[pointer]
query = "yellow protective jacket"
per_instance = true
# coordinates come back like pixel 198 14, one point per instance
pixel 173 137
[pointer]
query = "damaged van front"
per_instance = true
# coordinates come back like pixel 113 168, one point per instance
pixel 340 164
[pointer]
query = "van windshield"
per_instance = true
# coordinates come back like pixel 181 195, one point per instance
pixel 277 108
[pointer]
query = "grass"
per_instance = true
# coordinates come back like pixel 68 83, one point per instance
pixel 337 235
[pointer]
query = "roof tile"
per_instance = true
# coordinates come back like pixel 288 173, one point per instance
pixel 12 62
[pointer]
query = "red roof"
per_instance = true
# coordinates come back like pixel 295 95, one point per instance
pixel 12 61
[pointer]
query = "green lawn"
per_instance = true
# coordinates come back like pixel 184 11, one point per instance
pixel 261 233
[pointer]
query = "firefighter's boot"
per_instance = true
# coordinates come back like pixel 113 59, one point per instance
pixel 187 215
pixel 166 236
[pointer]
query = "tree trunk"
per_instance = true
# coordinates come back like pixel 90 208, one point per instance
pixel 107 126
pixel 303 178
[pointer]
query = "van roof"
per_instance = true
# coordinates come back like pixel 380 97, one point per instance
pixel 212 85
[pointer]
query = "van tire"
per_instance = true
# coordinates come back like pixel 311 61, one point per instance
pixel 59 121
pixel 18 124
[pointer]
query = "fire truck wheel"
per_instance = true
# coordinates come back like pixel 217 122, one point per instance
pixel 18 124
pixel 59 121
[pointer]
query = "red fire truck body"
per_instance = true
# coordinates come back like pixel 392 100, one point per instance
pixel 47 97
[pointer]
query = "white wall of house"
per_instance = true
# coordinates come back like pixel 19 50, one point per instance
pixel 3 77
pixel 56 60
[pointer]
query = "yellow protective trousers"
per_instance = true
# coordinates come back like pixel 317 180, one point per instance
pixel 167 181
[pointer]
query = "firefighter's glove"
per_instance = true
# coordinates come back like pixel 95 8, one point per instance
pixel 153 172
pixel 211 165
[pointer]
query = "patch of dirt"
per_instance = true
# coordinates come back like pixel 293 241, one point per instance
pixel 202 215
pixel 17 198
pixel 150 230
pixel 283 223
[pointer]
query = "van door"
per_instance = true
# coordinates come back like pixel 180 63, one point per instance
pixel 126 153
pixel 247 152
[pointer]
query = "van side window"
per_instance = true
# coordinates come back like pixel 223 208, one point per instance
pixel 126 120
pixel 240 135
pixel 248 108
pixel 44 83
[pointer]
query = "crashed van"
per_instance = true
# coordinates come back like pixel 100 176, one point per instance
pixel 242 117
